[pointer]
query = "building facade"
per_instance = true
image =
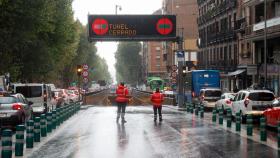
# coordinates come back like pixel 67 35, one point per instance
pixel 251 36
pixel 186 12
pixel 218 46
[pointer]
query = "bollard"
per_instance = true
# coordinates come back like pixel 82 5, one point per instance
pixel 238 122
pixel 6 144
pixel 43 125
pixel 196 110
pixel 278 134
pixel 249 121
pixel 19 140
pixel 57 116
pixel 263 135
pixel 228 118
pixel 29 134
pixel 54 119
pixel 221 113
pixel 202 111
pixel 37 135
pixel 49 122
pixel 214 116
pixel 188 107
pixel 191 109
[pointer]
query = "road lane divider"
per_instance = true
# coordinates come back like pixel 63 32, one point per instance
pixel 221 115
pixel 37 129
pixel 30 134
pixel 6 144
pixel 249 122
pixel 49 122
pixel 19 140
pixel 43 125
pixel 238 122
pixel 228 118
pixel 263 134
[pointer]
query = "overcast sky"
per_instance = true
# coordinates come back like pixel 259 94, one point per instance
pixel 84 7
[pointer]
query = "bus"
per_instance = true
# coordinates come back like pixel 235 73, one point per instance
pixel 155 82
pixel 196 80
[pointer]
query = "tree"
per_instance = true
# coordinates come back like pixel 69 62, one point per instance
pixel 128 62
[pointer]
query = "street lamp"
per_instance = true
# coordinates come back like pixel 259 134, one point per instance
pixel 79 73
pixel 265 44
pixel 118 7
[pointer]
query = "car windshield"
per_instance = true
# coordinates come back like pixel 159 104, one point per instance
pixel 231 96
pixel 213 93
pixel 261 96
pixel 30 91
pixel 7 100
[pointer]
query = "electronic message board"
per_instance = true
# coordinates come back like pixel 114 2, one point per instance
pixel 132 27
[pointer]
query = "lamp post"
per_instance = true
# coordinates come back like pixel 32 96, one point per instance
pixel 79 73
pixel 265 44
pixel 118 7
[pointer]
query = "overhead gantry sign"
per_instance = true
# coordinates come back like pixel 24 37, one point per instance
pixel 132 27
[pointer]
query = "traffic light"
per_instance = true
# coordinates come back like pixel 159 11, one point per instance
pixel 79 70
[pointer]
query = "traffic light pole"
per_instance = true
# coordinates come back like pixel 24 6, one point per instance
pixel 181 63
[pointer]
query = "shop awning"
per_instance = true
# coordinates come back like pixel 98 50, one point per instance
pixel 237 72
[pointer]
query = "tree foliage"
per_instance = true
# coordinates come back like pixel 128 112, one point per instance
pixel 40 40
pixel 128 62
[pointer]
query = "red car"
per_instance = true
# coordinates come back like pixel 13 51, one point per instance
pixel 272 115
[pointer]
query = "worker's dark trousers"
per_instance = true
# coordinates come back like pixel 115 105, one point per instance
pixel 157 110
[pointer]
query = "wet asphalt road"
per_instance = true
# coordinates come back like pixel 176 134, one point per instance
pixel 94 133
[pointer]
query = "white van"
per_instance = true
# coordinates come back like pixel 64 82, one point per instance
pixel 38 93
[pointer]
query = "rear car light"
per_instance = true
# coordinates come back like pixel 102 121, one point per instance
pixel 192 94
pixel 228 102
pixel 17 106
pixel 246 102
pixel 202 98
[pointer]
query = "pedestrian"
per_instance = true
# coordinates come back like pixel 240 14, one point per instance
pixel 157 100
pixel 122 100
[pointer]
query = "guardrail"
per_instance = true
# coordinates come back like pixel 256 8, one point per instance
pixel 37 128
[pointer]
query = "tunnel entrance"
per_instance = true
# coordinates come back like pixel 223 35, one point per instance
pixel 138 98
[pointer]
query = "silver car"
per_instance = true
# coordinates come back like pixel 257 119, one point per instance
pixel 14 109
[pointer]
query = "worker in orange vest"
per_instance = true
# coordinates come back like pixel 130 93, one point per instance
pixel 157 100
pixel 122 100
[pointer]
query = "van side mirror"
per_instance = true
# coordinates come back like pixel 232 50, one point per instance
pixel 30 103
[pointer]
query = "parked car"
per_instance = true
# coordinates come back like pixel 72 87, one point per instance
pixel 73 97
pixel 253 102
pixel 38 93
pixel 226 101
pixel 65 96
pixel 58 96
pixel 272 116
pixel 14 109
pixel 209 96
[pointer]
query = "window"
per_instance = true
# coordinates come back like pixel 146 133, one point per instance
pixel 213 93
pixel 261 96
pixel 243 96
pixel 30 91
pixel 7 100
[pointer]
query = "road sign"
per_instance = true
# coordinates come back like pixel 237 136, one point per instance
pixel 85 74
pixel 173 74
pixel 174 67
pixel 100 26
pixel 85 80
pixel 164 26
pixel 181 54
pixel 173 81
pixel 130 27
pixel 85 67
